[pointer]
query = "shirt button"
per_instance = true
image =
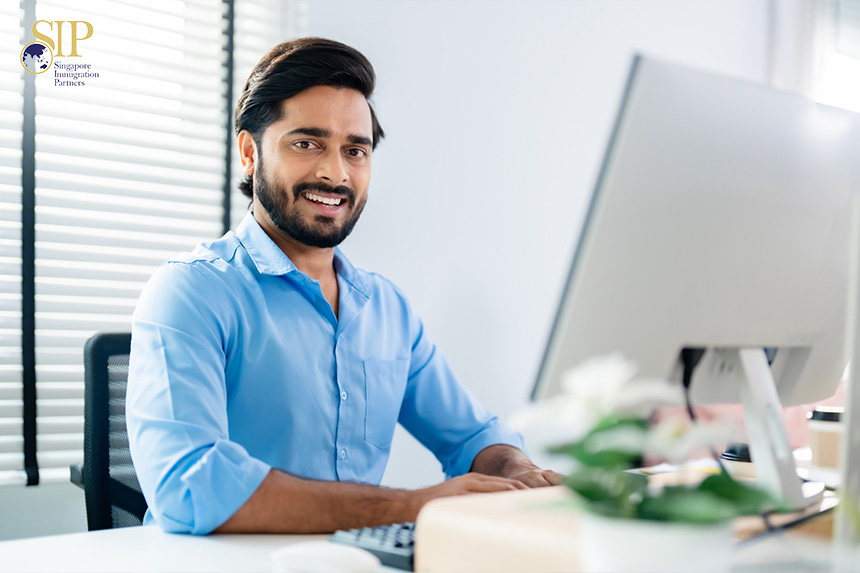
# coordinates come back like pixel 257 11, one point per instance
pixel 343 454
pixel 343 395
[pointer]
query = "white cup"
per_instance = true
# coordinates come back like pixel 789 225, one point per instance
pixel 825 433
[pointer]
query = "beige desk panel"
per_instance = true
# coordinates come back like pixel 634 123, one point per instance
pixel 503 532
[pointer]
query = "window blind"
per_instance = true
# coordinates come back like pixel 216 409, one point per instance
pixel 129 171
pixel 253 37
pixel 11 120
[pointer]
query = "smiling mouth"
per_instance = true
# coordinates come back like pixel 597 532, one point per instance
pixel 330 201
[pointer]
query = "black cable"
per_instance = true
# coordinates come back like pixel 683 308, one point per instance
pixel 690 358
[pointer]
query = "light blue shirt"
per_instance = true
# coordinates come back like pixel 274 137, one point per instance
pixel 239 365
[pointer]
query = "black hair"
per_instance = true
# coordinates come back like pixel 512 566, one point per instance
pixel 292 67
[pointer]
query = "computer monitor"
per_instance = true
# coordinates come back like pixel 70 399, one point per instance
pixel 720 220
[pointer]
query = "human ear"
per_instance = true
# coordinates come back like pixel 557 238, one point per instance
pixel 247 151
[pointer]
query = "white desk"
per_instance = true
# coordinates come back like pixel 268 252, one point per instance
pixel 133 549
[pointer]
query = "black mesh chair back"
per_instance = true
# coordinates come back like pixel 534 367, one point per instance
pixel 112 492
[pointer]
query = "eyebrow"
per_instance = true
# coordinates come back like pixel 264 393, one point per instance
pixel 326 134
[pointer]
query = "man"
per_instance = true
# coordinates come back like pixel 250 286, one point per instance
pixel 267 373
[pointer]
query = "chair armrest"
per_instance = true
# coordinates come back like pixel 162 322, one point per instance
pixel 76 475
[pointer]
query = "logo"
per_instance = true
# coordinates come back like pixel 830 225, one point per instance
pixel 58 47
pixel 36 58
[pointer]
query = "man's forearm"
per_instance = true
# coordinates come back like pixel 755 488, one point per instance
pixel 285 503
pixel 288 504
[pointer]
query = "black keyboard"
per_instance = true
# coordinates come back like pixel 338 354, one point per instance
pixel 394 544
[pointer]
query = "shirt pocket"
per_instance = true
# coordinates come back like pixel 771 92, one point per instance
pixel 385 383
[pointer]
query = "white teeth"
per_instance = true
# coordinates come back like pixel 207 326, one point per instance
pixel 323 200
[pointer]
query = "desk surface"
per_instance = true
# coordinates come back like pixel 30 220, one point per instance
pixel 146 548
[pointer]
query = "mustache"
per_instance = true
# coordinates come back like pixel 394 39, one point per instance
pixel 343 190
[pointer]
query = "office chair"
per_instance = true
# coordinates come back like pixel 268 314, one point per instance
pixel 111 489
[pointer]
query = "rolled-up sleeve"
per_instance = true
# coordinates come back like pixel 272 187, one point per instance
pixel 442 414
pixel 192 476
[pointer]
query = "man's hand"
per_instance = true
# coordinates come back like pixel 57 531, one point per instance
pixel 509 462
pixel 536 477
pixel 465 484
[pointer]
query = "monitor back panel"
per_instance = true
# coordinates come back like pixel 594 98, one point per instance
pixel 720 219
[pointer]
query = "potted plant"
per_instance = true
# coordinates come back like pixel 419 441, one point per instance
pixel 630 523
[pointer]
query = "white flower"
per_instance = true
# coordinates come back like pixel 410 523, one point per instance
pixel 553 421
pixel 586 391
pixel 600 386
pixel 597 387
pixel 640 396
pixel 608 384
pixel 675 439
pixel 626 438
pixel 597 381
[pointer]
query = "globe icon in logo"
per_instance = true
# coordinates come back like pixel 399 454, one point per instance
pixel 36 58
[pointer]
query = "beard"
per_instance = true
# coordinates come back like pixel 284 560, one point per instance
pixel 322 232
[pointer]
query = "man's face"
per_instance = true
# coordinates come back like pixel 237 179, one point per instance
pixel 312 167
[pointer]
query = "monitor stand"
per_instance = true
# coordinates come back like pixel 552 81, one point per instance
pixel 770 449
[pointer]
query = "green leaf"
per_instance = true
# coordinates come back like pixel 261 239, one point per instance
pixel 606 458
pixel 563 449
pixel 618 458
pixel 686 505
pixel 609 492
pixel 746 499
pixel 589 485
pixel 610 509
pixel 612 422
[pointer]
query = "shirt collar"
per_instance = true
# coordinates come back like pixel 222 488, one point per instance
pixel 267 256
pixel 271 260
pixel 346 271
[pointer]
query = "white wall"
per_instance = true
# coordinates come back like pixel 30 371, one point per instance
pixel 497 115
pixel 41 510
